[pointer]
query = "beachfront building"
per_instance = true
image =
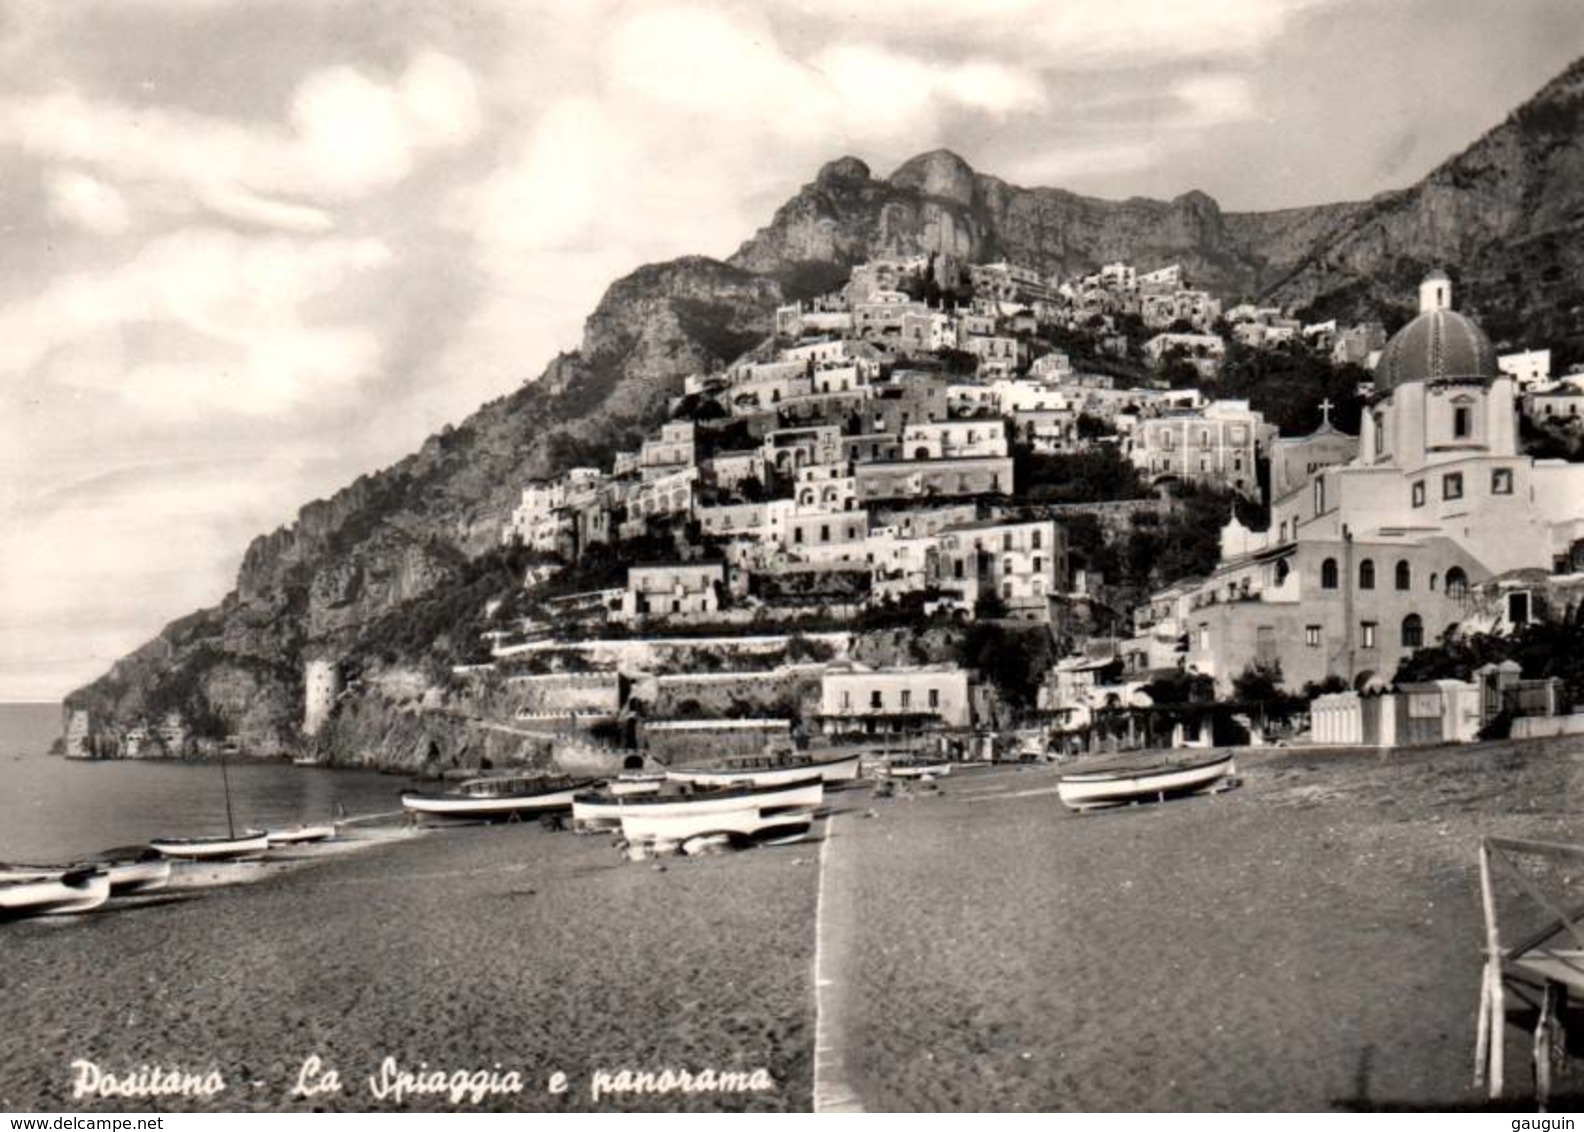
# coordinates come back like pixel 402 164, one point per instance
pixel 1218 446
pixel 1365 562
pixel 874 701
pixel 672 589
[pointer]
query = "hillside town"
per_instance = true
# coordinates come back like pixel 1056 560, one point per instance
pixel 860 531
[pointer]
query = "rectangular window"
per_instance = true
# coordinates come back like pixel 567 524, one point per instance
pixel 1462 423
pixel 846 702
pixel 907 699
pixel 934 697
pixel 1419 493
pixel 1312 636
pixel 1367 634
pixel 877 700
pixel 1452 485
pixel 1502 481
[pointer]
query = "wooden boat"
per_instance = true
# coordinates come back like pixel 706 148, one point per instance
pixel 630 784
pixel 916 768
pixel 505 796
pixel 300 834
pixel 131 870
pixel 744 812
pixel 307 760
pixel 65 893
pixel 767 771
pixel 1152 782
pixel 246 846
pixel 602 810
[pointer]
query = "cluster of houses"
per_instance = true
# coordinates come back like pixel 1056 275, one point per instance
pixel 868 455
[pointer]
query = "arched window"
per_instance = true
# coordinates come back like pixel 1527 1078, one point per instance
pixel 1457 582
pixel 1404 575
pixel 1413 632
pixel 1328 574
pixel 1282 570
pixel 1367 574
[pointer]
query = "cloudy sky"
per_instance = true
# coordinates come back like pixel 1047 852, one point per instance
pixel 250 249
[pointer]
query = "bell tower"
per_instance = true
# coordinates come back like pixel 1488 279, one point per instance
pixel 1435 293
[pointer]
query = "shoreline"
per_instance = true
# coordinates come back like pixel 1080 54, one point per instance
pixel 1309 940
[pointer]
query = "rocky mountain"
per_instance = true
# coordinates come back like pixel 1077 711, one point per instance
pixel 1504 216
pixel 400 533
pixel 937 203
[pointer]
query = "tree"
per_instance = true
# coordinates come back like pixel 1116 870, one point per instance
pixel 1259 682
pixel 990 607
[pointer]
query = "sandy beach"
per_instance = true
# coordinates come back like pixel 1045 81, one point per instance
pixel 1310 940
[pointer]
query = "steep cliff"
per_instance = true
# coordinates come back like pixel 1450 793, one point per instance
pixel 396 535
pixel 936 203
pixel 1504 216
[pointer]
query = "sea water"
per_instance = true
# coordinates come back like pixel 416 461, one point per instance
pixel 56 809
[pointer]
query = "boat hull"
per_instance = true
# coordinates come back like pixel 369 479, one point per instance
pixel 54 896
pixel 302 834
pixel 831 771
pixel 248 847
pixel 748 820
pixel 1101 789
pixel 505 806
pixel 595 811
pixel 128 878
pixel 917 770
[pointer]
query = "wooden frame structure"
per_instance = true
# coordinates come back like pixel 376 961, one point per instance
pixel 1539 969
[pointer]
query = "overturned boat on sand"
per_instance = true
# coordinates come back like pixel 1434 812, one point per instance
pixel 79 891
pixel 765 770
pixel 1107 787
pixel 688 811
pixel 499 798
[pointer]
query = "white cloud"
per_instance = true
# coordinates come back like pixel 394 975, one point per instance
pixel 234 307
pixel 351 136
pixel 85 202
pixel 1075 35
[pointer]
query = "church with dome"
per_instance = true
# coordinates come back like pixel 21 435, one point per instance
pixel 1431 521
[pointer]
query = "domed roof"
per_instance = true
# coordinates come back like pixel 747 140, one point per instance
pixel 1438 345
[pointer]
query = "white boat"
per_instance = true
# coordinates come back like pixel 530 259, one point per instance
pixel 246 846
pixel 133 870
pixel 299 834
pixel 599 810
pixel 500 797
pixel 746 820
pixel 1153 782
pixel 66 893
pixel 630 784
pixel 743 811
pixel 128 878
pixel 307 760
pixel 767 771
pixel 916 769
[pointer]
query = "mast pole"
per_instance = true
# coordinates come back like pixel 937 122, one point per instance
pixel 225 777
